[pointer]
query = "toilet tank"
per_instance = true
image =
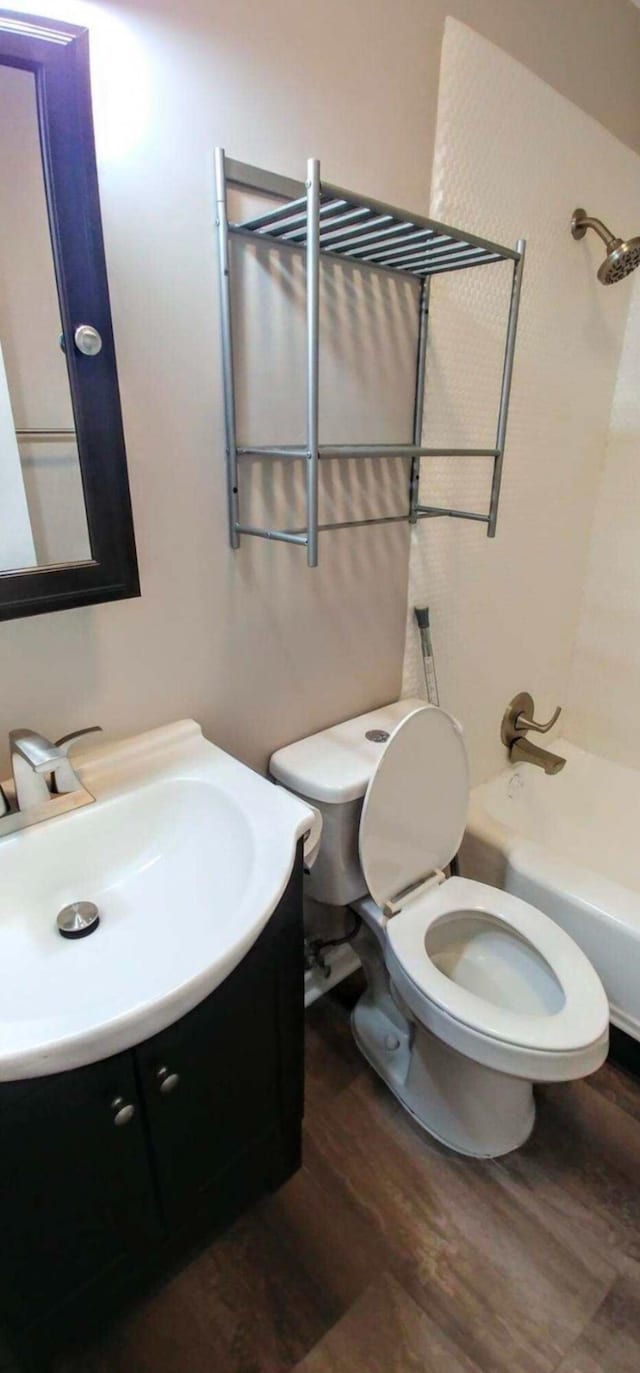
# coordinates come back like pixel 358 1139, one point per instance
pixel 331 770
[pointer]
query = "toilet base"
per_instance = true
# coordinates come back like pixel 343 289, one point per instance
pixel 472 1109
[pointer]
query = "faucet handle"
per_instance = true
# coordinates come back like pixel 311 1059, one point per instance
pixel 68 740
pixel 65 778
pixel 523 723
pixel 518 718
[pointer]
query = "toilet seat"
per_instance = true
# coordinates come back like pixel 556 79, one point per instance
pixel 581 1020
pixel 415 806
pixel 412 821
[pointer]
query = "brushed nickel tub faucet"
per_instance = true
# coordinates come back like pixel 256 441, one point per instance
pixel 516 723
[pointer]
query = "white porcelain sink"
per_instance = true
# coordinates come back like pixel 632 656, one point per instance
pixel 185 853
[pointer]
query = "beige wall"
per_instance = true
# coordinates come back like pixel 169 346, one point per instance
pixel 605 679
pixel 253 645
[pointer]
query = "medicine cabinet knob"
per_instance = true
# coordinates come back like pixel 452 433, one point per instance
pixel 87 340
pixel 167 1081
pixel 123 1111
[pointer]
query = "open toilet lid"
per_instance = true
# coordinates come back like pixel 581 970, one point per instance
pixel 415 806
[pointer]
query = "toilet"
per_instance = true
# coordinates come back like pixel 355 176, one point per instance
pixel 472 995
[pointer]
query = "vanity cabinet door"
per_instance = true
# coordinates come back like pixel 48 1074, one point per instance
pixel 223 1086
pixel 76 1191
pixel 211 1085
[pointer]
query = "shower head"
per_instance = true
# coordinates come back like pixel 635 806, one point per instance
pixel 621 258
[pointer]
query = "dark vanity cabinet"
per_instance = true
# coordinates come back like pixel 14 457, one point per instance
pixel 112 1173
pixel 76 1192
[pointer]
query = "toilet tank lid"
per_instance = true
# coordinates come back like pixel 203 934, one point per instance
pixel 336 763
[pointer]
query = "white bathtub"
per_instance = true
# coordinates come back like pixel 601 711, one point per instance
pixel 569 844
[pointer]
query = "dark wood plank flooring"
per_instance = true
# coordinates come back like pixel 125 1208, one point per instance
pixel 386 1254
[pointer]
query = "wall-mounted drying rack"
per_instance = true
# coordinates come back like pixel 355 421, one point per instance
pixel 318 218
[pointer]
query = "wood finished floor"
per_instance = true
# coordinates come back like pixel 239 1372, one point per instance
pixel 386 1254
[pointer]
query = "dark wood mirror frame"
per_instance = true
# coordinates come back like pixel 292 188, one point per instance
pixel 58 55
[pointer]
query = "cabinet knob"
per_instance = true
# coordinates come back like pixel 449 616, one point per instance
pixel 123 1111
pixel 167 1081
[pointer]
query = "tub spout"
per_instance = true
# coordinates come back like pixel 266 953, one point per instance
pixel 518 719
pixel 522 751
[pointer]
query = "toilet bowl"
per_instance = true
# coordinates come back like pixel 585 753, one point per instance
pixel 472 994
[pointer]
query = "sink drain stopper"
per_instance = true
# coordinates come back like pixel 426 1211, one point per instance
pixel 78 919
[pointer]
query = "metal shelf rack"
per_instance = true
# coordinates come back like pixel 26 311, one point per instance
pixel 316 218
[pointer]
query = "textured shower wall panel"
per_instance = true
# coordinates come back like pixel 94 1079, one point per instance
pixel 605 681
pixel 513 159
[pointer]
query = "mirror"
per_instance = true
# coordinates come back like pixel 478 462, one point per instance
pixel 42 514
pixel 66 532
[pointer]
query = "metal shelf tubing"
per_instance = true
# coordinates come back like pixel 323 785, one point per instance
pixel 365 450
pixel 427 512
pixel 277 451
pixel 505 390
pixel 222 226
pixel 354 524
pixel 418 398
pixel 400 450
pixel 313 354
pixel 276 535
pixel 459 266
pixel 299 536
pixel 423 513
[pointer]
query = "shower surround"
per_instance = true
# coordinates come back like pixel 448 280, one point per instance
pixel 513 157
pixel 605 677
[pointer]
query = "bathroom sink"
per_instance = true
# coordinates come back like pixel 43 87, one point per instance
pixel 185 853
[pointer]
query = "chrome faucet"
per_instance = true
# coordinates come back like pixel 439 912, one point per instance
pixel 516 722
pixel 43 780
